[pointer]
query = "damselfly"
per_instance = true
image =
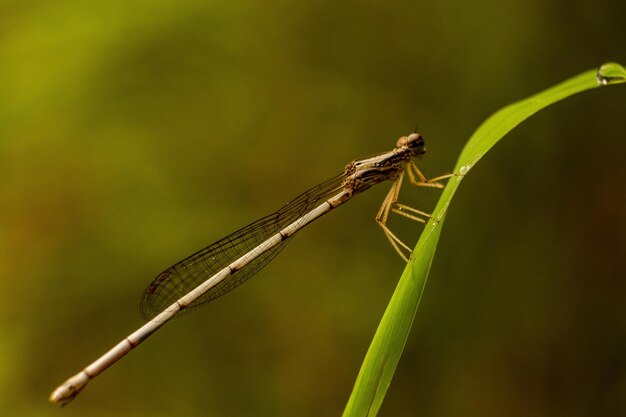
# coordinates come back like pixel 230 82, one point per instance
pixel 230 261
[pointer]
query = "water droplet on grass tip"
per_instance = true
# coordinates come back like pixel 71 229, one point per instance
pixel 611 73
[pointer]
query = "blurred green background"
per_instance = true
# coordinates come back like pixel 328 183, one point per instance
pixel 134 133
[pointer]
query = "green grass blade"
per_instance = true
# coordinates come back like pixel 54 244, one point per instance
pixel 384 352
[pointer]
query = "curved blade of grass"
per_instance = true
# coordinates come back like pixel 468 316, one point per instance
pixel 384 352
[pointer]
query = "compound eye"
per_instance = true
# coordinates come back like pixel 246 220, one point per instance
pixel 415 141
pixel 403 141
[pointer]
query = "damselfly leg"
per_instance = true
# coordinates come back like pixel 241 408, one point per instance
pixel 412 170
pixel 390 204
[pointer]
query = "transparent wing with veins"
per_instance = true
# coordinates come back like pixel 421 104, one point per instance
pixel 187 274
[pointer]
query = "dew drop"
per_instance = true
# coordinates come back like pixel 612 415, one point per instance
pixel 465 169
pixel 611 73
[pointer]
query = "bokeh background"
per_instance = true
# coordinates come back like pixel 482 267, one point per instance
pixel 134 133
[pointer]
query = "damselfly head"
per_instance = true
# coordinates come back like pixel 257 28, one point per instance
pixel 414 142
